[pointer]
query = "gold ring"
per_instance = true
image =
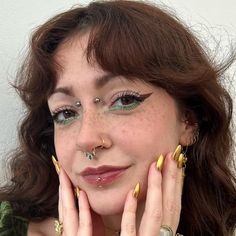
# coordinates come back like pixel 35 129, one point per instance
pixel 58 226
pixel 103 142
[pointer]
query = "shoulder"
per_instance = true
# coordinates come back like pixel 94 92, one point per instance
pixel 10 224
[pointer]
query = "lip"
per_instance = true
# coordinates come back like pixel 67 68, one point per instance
pixel 102 175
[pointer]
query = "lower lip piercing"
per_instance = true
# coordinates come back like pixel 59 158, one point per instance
pixel 98 180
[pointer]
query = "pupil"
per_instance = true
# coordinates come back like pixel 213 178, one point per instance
pixel 67 114
pixel 127 100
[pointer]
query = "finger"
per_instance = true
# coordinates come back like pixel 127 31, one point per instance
pixel 179 191
pixel 69 211
pixel 152 216
pixel 171 192
pixel 60 206
pixel 128 223
pixel 85 220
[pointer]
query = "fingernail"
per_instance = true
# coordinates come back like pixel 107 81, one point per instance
pixel 55 162
pixel 136 190
pixel 177 153
pixel 180 161
pixel 76 191
pixel 160 162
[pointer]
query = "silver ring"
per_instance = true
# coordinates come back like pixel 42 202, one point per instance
pixel 91 155
pixel 166 231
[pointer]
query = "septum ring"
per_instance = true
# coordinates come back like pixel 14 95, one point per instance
pixel 91 155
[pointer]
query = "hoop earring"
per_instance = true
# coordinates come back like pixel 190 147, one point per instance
pixel 103 143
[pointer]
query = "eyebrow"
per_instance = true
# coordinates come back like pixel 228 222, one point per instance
pixel 100 82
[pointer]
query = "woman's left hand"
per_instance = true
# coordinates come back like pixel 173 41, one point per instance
pixel 163 202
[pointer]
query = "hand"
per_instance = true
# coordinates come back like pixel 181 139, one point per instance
pixel 163 202
pixel 85 222
pixel 163 205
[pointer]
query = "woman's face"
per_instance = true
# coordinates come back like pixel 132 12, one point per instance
pixel 137 122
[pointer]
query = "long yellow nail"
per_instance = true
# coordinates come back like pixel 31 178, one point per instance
pixel 136 190
pixel 55 162
pixel 160 162
pixel 177 153
pixel 181 161
pixel 76 191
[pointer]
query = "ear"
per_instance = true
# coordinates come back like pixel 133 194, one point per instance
pixel 189 128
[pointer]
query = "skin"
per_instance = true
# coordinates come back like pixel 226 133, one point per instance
pixel 132 137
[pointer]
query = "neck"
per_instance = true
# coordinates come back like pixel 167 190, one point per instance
pixel 112 223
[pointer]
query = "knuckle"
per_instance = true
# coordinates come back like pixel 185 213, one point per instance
pixel 68 211
pixel 155 214
pixel 129 228
pixel 172 175
pixel 83 224
pixel 171 207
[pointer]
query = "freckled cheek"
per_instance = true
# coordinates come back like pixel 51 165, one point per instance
pixel 147 135
pixel 134 135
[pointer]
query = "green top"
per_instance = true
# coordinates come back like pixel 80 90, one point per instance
pixel 10 224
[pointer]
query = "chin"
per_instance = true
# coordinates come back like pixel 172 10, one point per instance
pixel 107 202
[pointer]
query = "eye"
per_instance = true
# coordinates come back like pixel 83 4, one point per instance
pixel 64 116
pixel 127 100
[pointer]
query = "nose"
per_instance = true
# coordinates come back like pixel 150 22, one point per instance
pixel 93 132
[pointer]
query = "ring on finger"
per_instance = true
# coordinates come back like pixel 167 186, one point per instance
pixel 166 230
pixel 58 226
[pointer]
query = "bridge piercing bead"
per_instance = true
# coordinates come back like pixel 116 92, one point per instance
pixel 78 104
pixel 96 100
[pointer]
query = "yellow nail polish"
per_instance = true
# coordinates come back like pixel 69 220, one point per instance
pixel 177 153
pixel 136 190
pixel 160 162
pixel 55 162
pixel 181 160
pixel 76 191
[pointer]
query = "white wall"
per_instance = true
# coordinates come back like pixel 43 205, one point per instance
pixel 19 17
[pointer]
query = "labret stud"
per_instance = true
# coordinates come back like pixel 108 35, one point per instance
pixel 98 180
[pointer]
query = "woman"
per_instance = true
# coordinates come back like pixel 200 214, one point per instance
pixel 122 94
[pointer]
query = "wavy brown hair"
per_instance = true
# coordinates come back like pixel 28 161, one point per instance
pixel 132 39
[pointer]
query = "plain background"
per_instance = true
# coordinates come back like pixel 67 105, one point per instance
pixel 213 21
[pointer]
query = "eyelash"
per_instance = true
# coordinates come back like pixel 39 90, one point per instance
pixel 73 113
pixel 127 95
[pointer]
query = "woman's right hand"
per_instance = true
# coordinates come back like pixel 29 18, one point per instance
pixel 84 222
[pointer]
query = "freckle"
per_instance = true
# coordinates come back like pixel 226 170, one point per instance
pixel 123 131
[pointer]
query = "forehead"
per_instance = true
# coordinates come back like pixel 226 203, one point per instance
pixel 72 48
